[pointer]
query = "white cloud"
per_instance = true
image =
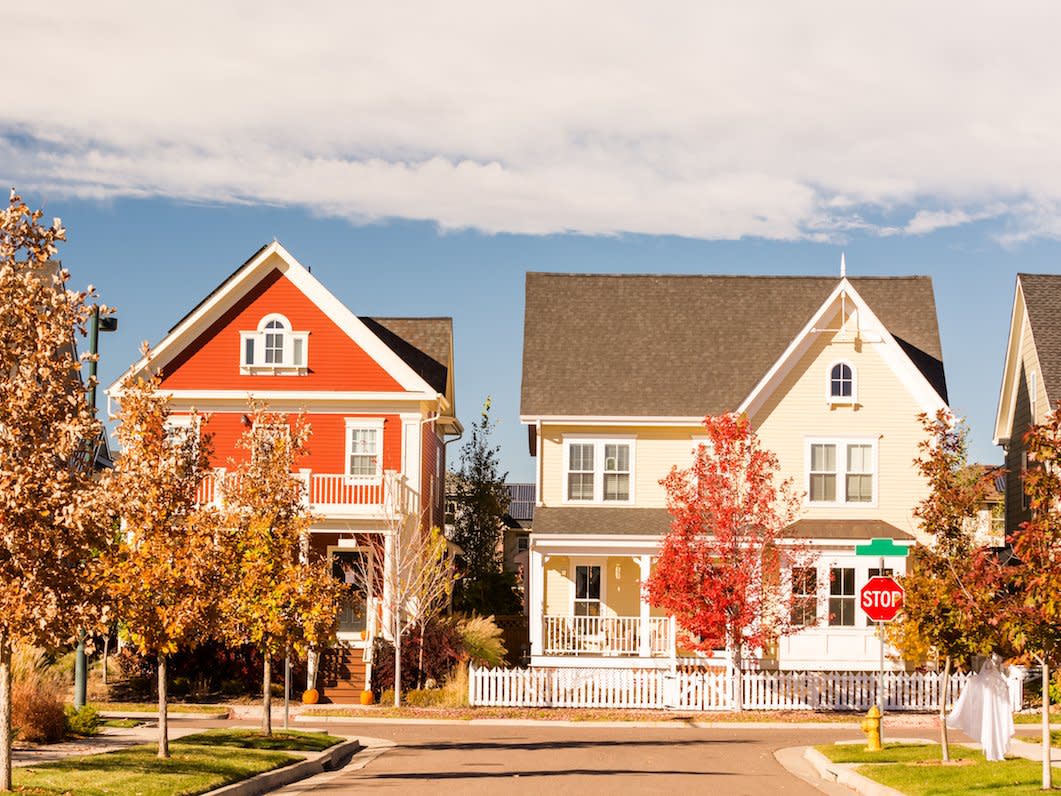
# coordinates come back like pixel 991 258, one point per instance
pixel 774 120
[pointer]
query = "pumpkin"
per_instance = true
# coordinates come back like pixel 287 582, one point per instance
pixel 367 698
pixel 310 696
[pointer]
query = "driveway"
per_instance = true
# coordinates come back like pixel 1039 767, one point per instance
pixel 432 759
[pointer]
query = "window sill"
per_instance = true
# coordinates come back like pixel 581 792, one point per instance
pixel 273 370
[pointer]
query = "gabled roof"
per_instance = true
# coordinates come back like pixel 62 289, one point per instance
pixel 686 346
pixel 426 344
pixel 274 256
pixel 1037 300
pixel 1042 297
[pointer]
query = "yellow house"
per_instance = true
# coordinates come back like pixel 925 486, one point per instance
pixel 618 374
pixel 1031 380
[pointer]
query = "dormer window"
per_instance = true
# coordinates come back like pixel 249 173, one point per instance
pixel 841 384
pixel 274 348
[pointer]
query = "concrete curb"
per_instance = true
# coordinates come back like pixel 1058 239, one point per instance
pixel 144 714
pixel 683 724
pixel 328 760
pixel 844 774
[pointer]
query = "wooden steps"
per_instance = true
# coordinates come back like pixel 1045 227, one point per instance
pixel 342 676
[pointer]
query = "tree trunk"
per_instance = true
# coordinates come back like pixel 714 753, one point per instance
pixel 397 670
pixel 944 688
pixel 267 695
pixel 5 714
pixel 737 658
pixel 420 658
pixel 106 649
pixel 163 714
pixel 1047 772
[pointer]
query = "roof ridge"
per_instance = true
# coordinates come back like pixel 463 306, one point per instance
pixel 583 274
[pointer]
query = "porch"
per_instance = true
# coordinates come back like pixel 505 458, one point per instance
pixel 336 495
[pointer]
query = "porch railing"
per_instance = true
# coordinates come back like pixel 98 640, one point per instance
pixel 390 493
pixel 603 635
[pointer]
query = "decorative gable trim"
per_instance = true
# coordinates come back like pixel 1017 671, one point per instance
pixel 891 352
pixel 1007 398
pixel 236 286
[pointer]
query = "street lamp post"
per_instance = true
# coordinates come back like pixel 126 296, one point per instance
pixel 96 325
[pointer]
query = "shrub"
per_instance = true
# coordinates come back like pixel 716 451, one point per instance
pixel 180 686
pixel 37 712
pixel 481 639
pixel 442 651
pixel 84 721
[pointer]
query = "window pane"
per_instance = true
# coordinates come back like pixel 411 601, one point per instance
pixel 823 487
pixel 842 581
pixel 581 457
pixel 248 351
pixel 296 355
pixel 859 458
pixel 587 582
pixel 842 611
pixel 860 489
pixel 617 458
pixel 840 381
pixel 580 486
pixel 823 458
pixel 616 486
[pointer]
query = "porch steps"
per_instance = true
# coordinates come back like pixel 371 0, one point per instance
pixel 342 676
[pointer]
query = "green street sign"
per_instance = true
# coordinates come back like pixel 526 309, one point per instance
pixel 882 547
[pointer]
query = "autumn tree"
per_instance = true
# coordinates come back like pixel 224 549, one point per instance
pixel 718 566
pixel 279 599
pixel 482 501
pixel 167 572
pixel 1033 614
pixel 952 584
pixel 48 538
pixel 417 575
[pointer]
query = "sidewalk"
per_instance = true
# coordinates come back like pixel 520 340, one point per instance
pixel 110 739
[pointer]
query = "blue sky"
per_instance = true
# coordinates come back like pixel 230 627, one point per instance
pixel 446 149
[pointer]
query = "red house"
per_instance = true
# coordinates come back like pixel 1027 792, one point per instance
pixel 378 393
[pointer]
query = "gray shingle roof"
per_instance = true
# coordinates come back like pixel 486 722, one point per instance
pixel 686 346
pixel 423 343
pixel 1042 298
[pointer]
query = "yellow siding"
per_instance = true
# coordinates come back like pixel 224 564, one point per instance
pixel 557 586
pixel 623 596
pixel 885 411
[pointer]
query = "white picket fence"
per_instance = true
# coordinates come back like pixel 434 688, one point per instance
pixel 712 690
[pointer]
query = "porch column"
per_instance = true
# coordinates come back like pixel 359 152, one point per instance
pixel 388 586
pixel 645 624
pixel 535 598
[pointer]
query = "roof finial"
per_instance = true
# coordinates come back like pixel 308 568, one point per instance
pixel 843 266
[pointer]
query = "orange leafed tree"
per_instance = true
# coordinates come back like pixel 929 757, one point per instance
pixel 280 600
pixel 718 571
pixel 167 573
pixel 48 540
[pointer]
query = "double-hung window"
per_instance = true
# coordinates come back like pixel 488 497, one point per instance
pixel 587 590
pixel 364 448
pixel 842 596
pixel 804 596
pixel 841 472
pixel 598 470
pixel 274 348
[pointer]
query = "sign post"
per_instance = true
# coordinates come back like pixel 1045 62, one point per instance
pixel 881 600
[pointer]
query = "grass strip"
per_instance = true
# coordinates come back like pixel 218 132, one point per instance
pixel 1015 777
pixel 152 707
pixel 198 763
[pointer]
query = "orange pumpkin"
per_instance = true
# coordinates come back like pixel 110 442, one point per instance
pixel 367 698
pixel 310 696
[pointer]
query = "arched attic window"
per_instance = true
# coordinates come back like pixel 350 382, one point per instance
pixel 274 348
pixel 841 389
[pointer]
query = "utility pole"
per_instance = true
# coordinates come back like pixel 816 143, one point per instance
pixel 96 325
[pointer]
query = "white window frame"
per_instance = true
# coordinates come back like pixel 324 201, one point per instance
pixel 589 562
pixel 186 424
pixel 598 441
pixel 841 399
pixel 815 596
pixel 363 423
pixel 841 444
pixel 288 366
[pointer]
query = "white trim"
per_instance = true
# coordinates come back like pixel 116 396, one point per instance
pixel 363 423
pixel 598 442
pixel 841 444
pixel 1010 367
pixel 841 400
pixel 584 561
pixel 1033 395
pixel 249 275
pixel 242 396
pixel 369 631
pixel 890 351
pixel 611 420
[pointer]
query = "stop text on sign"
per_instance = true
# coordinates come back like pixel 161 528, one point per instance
pixel 881 598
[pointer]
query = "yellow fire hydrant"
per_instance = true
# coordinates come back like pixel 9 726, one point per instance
pixel 871 726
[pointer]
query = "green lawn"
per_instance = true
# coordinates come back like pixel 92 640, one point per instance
pixel 915 770
pixel 152 707
pixel 1035 718
pixel 1055 738
pixel 199 763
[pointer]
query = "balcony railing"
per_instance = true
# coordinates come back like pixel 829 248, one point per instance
pixel 604 635
pixel 332 491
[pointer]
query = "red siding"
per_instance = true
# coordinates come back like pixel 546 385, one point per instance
pixel 211 362
pixel 327 443
pixel 432 485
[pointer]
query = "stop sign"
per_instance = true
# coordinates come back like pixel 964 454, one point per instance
pixel 881 598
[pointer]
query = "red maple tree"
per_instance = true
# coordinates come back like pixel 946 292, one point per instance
pixel 719 567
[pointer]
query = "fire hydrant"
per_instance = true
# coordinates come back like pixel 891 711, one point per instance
pixel 871 726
